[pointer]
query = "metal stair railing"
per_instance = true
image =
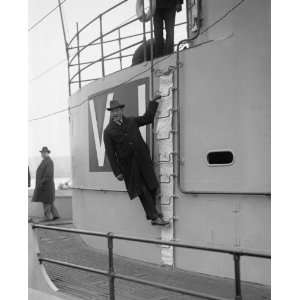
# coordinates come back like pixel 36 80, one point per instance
pixel 112 275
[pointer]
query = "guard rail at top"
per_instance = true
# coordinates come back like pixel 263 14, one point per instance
pixel 95 19
pixel 77 64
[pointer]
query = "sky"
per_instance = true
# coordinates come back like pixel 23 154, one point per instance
pixel 48 87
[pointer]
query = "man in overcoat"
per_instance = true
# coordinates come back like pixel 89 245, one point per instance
pixel 129 156
pixel 165 13
pixel 44 187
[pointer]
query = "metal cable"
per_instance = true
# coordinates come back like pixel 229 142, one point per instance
pixel 48 70
pixel 86 100
pixel 136 75
pixel 45 16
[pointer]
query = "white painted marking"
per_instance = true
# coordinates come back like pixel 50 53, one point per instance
pixel 95 128
pixel 100 147
pixel 105 123
pixel 142 106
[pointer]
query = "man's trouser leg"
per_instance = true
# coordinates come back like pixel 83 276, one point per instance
pixel 169 18
pixel 47 211
pixel 148 204
pixel 153 195
pixel 54 211
pixel 159 33
pixel 157 205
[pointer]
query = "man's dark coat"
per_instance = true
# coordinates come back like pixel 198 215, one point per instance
pixel 128 154
pixel 44 187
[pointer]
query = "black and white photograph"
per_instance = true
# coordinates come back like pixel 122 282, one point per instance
pixel 149 149
pixel 148 160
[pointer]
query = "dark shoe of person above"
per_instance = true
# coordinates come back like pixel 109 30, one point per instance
pixel 160 222
pixel 55 218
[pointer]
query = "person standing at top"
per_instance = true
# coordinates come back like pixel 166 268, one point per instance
pixel 44 187
pixel 129 156
pixel 165 13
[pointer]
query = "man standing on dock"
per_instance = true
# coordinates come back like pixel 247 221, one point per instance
pixel 44 187
pixel 129 156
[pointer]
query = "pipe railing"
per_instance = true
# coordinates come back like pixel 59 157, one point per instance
pixel 111 58
pixel 122 38
pixel 101 37
pixel 74 45
pixel 93 20
pixel 102 59
pixel 81 48
pixel 112 275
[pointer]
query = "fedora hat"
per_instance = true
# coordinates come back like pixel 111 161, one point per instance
pixel 45 149
pixel 115 104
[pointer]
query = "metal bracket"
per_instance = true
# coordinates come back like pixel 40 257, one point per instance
pixel 159 73
pixel 169 177
pixel 171 89
pixel 171 110
pixel 160 161
pixel 175 240
pixel 166 138
pixel 157 93
pixel 180 64
pixel 170 197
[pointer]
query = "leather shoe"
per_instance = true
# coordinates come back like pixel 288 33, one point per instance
pixel 160 222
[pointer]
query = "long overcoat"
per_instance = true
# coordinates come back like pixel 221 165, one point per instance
pixel 44 187
pixel 128 154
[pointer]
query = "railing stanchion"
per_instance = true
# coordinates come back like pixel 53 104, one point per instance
pixel 78 56
pixel 111 271
pixel 237 277
pixel 144 35
pixel 120 48
pixel 101 44
pixel 188 13
pixel 66 47
pixel 152 52
pixel 152 74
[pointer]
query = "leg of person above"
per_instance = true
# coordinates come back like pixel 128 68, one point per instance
pixel 54 212
pixel 169 17
pixel 159 32
pixel 149 207
pixel 47 212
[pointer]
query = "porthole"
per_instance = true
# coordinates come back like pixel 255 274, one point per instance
pixel 220 158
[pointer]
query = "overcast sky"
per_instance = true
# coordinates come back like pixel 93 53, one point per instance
pixel 48 90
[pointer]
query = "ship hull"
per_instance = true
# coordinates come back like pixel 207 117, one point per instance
pixel 224 103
